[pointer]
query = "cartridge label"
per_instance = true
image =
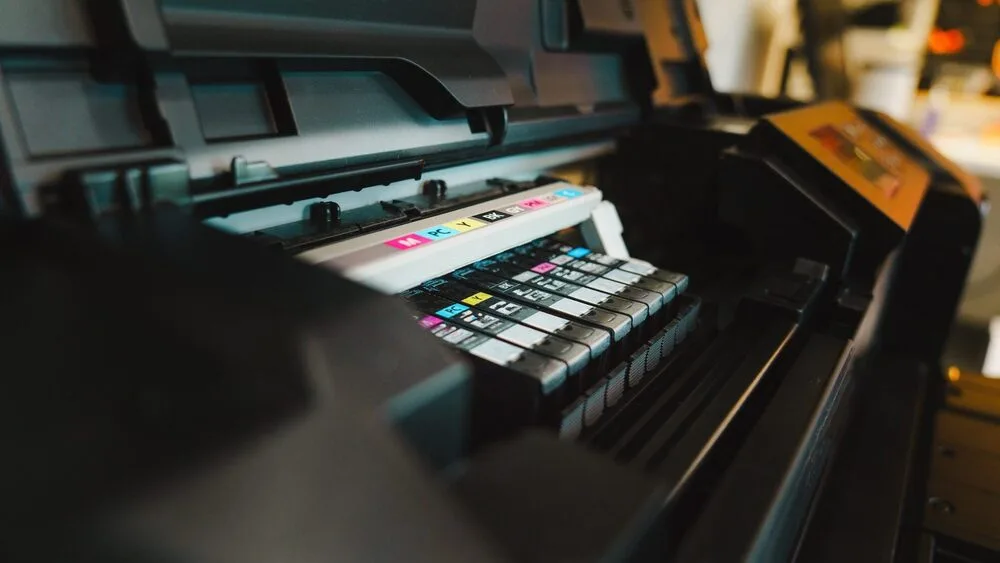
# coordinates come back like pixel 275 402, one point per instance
pixel 492 216
pixel 407 242
pixel 477 298
pixel 439 232
pixel 466 224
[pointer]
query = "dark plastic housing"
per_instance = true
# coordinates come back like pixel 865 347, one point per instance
pixel 278 101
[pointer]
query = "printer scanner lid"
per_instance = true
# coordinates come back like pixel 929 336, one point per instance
pixel 222 107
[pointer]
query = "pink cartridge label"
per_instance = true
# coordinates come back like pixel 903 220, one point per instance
pixel 534 203
pixel 429 321
pixel 407 242
pixel 544 267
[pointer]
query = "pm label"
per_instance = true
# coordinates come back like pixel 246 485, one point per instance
pixel 544 267
pixel 535 203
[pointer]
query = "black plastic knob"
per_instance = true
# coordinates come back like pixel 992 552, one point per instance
pixel 324 213
pixel 435 188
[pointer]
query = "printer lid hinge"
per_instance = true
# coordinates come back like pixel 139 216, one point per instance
pixel 492 121
pixel 127 189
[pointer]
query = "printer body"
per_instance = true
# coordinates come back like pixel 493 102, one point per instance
pixel 454 280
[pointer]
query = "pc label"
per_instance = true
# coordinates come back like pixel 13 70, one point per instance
pixel 437 233
pixel 451 310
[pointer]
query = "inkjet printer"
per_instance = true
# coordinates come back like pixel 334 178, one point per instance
pixel 454 280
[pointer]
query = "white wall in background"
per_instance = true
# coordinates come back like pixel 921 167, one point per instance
pixel 747 41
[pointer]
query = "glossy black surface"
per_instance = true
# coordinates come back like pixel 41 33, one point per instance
pixel 171 391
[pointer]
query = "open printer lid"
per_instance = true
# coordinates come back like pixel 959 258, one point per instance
pixel 223 107
pixel 203 108
pixel 174 392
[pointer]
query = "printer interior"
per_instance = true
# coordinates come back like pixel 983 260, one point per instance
pixel 438 280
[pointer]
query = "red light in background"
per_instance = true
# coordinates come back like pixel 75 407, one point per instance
pixel 946 41
pixel 996 59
